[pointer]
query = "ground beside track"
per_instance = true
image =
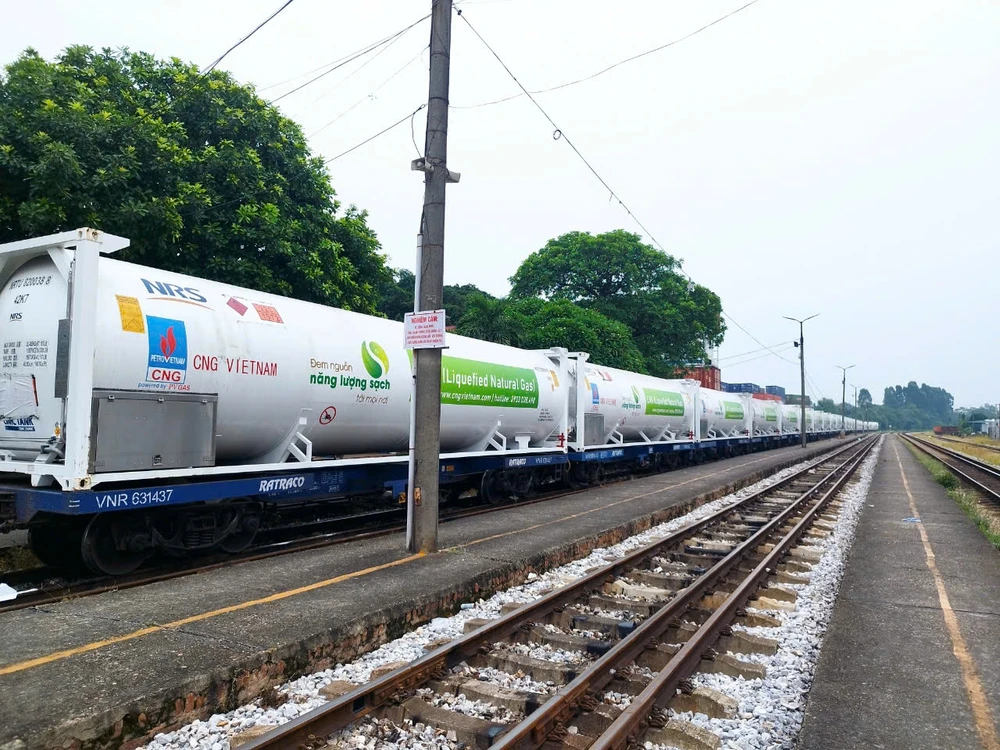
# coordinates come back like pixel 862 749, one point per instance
pixel 912 655
pixel 112 669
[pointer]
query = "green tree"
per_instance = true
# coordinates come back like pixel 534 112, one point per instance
pixel 622 278
pixel 456 300
pixel 395 297
pixel 545 324
pixel 827 405
pixel 491 319
pixel 200 173
pixel 864 399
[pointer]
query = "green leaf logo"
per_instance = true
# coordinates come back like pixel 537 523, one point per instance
pixel 635 394
pixel 375 359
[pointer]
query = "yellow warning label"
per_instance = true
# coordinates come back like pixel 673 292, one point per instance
pixel 131 313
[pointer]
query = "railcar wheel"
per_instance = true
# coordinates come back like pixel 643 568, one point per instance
pixel 109 546
pixel 490 487
pixel 243 535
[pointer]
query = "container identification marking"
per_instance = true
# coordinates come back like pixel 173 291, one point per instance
pixel 131 314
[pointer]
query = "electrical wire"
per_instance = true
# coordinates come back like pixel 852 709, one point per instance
pixel 759 356
pixel 752 351
pixel 351 58
pixel 381 132
pixel 611 67
pixel 763 345
pixel 371 94
pixel 259 26
pixel 559 134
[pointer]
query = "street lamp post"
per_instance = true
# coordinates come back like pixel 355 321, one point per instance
pixel 802 372
pixel 855 405
pixel 843 396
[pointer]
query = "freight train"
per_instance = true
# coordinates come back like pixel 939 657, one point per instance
pixel 149 411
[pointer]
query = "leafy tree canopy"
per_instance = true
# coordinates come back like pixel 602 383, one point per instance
pixel 622 278
pixel 864 398
pixel 395 297
pixel 540 324
pixel 201 174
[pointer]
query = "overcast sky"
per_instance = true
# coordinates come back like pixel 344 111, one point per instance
pixel 826 157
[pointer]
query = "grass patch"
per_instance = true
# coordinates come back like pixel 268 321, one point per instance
pixel 17 557
pixel 983 513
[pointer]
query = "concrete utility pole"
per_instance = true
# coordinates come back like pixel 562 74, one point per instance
pixel 843 397
pixel 423 493
pixel 802 372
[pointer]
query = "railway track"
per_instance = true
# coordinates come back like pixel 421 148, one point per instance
pixel 40 586
pixel 993 448
pixel 638 627
pixel 977 474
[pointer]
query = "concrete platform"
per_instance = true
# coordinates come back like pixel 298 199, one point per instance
pixel 114 669
pixel 891 673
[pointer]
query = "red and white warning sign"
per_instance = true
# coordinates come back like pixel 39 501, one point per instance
pixel 424 330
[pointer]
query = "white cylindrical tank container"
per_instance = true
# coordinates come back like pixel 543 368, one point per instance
pixel 268 358
pixel 790 417
pixel 766 417
pixel 722 414
pixel 640 408
pixel 811 420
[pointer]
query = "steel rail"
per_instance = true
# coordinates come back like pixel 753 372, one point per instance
pixel 984 446
pixel 627 727
pixel 536 728
pixel 80 589
pixel 346 709
pixel 941 454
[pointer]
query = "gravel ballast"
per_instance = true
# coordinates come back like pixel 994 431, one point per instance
pixel 781 694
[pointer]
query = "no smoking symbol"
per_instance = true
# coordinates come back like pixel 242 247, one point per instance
pixel 328 415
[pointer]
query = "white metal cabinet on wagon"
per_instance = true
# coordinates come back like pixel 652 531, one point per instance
pixel 271 360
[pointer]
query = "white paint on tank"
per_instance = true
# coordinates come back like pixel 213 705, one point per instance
pixel 270 359
pixel 722 414
pixel 639 407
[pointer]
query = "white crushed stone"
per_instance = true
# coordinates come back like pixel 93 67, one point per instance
pixel 303 694
pixel 771 710
pixel 462 705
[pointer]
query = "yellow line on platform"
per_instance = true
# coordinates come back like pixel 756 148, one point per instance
pixel 981 714
pixel 59 655
pixel 56 656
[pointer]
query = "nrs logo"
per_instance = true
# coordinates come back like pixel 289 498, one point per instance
pixel 167 350
pixel 173 291
pixel 282 484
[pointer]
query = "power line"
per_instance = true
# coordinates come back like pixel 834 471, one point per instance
pixel 759 356
pixel 259 26
pixel 351 58
pixel 752 351
pixel 370 94
pixel 763 345
pixel 558 133
pixel 611 67
pixel 381 132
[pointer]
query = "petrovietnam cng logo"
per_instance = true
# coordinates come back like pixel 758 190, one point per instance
pixel 375 359
pixel 167 351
